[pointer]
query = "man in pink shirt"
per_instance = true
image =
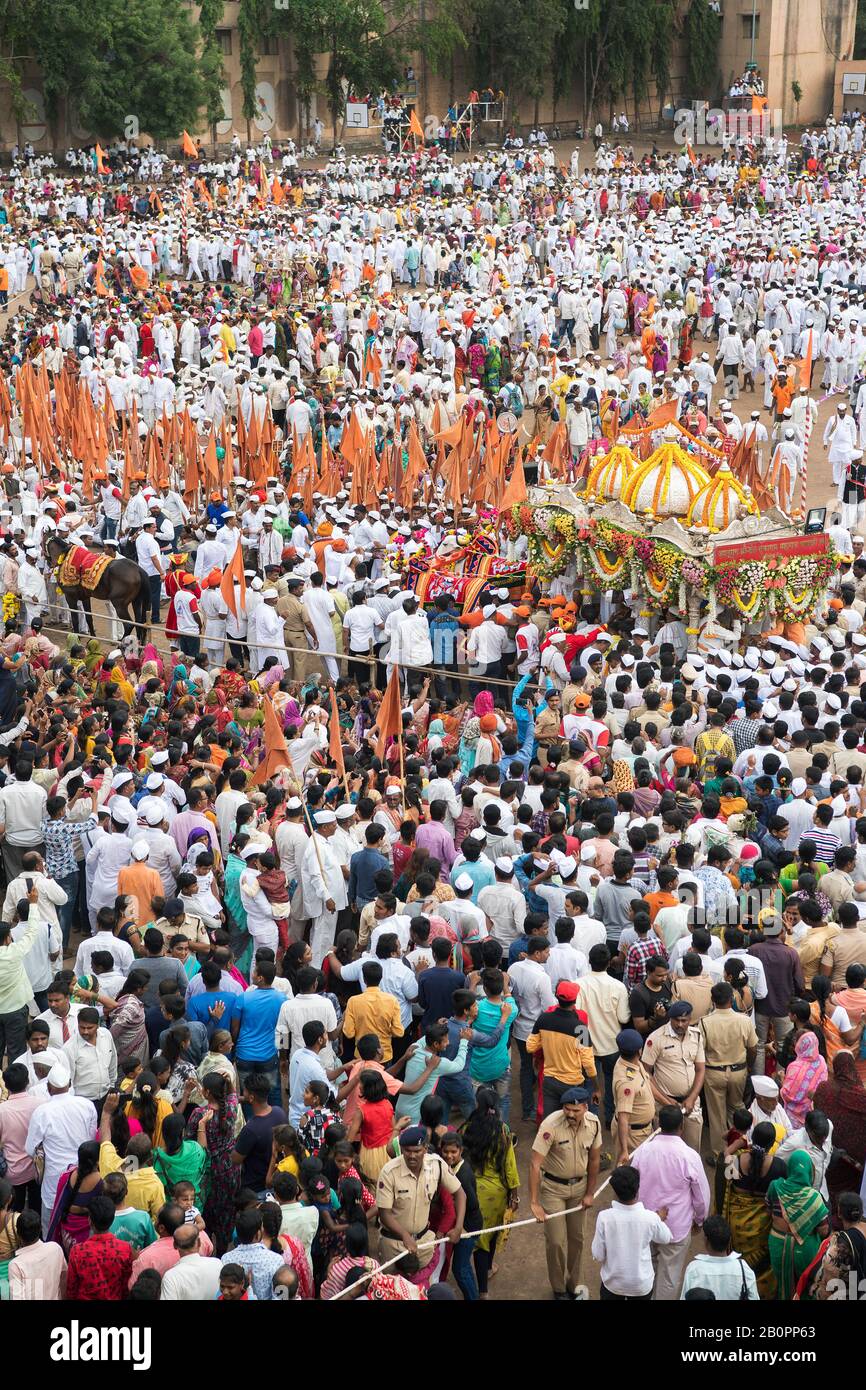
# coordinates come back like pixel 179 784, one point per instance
pixel 435 838
pixel 38 1271
pixel 163 1254
pixel 673 1184
pixel 15 1116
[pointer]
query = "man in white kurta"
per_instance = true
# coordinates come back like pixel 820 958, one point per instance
pixel 60 1126
pixel 323 886
pixel 320 607
pixel 269 638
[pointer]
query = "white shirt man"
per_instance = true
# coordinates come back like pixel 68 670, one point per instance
pixel 323 887
pixel 120 951
pixel 60 1126
pixel 147 553
pixel 93 1065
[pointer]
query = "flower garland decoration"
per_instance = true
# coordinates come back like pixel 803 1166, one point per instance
pixel 606 556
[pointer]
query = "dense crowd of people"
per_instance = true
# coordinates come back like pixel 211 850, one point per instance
pixel 310 886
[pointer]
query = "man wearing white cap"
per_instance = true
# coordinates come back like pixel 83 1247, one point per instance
pixel 108 856
pixel 163 855
pixel 16 990
pixel 323 886
pixel 59 1128
pixel 31 586
pixel 267 633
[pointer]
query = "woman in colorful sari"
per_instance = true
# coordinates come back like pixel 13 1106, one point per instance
pixel 219 1113
pixel 842 1098
pixel 841 1260
pixel 8 1236
pixel 744 1204
pixel 492 367
pixel 70 1216
pixel 489 1147
pixel 802 1078
pixel 127 1025
pixel 800 1221
pixel 184 1160
pixel 239 938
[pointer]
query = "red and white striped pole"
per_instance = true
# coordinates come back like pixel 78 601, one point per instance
pixel 804 468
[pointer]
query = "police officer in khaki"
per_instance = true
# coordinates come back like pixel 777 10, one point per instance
pixel 730 1048
pixel 563 1173
pixel 404 1193
pixel 633 1100
pixel 674 1058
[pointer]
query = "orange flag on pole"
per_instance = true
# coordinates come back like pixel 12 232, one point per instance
pixel 515 492
pixel 234 572
pixel 335 742
pixel 390 717
pixel 189 147
pixel 101 166
pixel 415 126
pixel 276 755
pixel 139 276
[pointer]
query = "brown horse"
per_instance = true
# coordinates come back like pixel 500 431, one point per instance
pixel 123 584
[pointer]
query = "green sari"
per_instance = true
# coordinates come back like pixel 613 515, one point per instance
pixel 804 1211
pixel 191 1163
pixel 239 938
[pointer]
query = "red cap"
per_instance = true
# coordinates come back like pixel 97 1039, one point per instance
pixel 567 991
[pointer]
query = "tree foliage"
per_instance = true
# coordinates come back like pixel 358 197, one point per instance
pixel 114 58
pixel 703 32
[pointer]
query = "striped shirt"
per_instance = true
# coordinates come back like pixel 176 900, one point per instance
pixel 825 842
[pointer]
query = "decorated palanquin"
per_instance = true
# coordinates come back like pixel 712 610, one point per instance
pixel 683 539
pixel 462 572
pixel 81 568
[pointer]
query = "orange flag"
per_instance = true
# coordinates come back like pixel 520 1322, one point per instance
pixel 415 126
pixel 805 363
pixel 211 462
pixel 189 147
pixel 139 276
pixel 234 572
pixel 662 415
pixel 278 193
pixel 101 166
pixel 516 489
pixel 335 742
pixel 390 716
pixel 691 154
pixel 99 277
pixel 276 755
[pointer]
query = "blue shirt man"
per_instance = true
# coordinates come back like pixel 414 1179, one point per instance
pixel 363 868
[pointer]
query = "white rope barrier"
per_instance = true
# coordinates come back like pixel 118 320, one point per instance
pixel 493 1230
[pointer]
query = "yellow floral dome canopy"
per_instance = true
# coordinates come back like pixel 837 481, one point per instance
pixel 609 475
pixel 665 484
pixel 721 501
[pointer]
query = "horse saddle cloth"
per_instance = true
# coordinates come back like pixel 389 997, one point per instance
pixel 82 568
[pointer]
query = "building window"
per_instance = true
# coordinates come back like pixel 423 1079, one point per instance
pixel 269 45
pixel 224 39
pixel 746 26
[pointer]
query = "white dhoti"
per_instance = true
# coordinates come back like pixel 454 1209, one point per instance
pixel 322 936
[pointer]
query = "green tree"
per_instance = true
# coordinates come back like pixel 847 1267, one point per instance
pixel 703 28
pixel 117 59
pixel 210 14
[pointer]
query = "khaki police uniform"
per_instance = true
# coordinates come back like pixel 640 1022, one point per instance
pixel 632 1096
pixel 727 1036
pixel 565 1151
pixel 409 1197
pixel 672 1061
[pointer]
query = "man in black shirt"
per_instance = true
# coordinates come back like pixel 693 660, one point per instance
pixel 650 1001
